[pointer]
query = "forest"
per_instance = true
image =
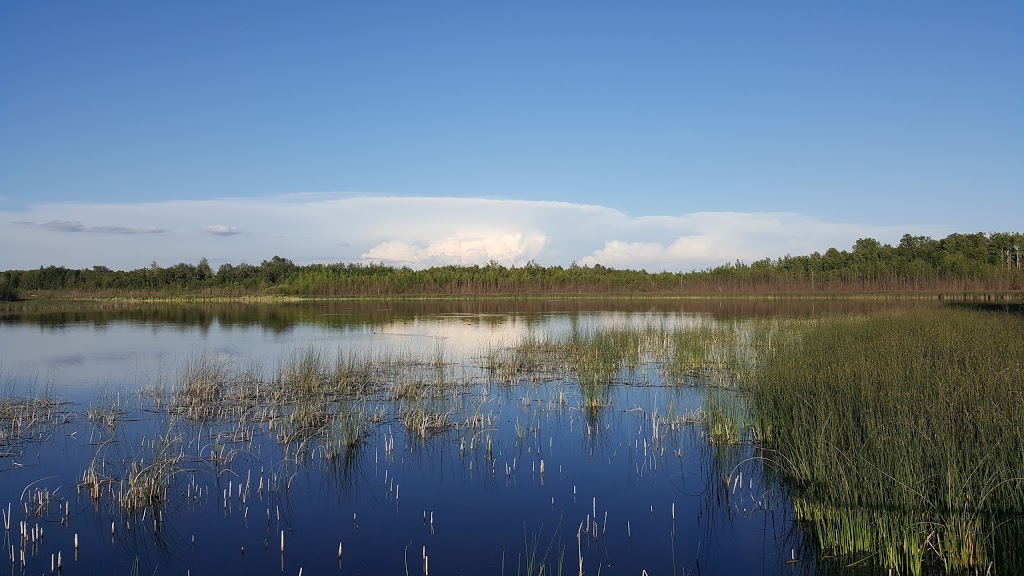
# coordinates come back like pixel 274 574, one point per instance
pixel 956 263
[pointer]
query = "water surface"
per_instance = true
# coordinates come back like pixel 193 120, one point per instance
pixel 633 487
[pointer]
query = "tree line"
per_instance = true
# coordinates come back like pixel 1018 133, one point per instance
pixel 957 262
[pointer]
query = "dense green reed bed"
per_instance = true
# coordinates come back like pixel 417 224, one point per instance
pixel 901 436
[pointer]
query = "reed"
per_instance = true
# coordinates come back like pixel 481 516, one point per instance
pixel 532 359
pixel 26 419
pixel 106 416
pixel 149 479
pixel 900 435
pixel 536 558
pixel 426 408
pixel 346 431
pixel 596 360
pixel 201 390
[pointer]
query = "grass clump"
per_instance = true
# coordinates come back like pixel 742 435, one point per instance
pixel 202 389
pixel 423 418
pixel 146 484
pixel 532 359
pixel 345 433
pixel 24 419
pixel 137 481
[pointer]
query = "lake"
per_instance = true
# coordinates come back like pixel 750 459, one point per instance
pixel 381 437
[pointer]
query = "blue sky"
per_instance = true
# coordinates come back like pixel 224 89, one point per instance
pixel 661 135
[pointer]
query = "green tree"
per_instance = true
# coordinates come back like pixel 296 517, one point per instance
pixel 203 271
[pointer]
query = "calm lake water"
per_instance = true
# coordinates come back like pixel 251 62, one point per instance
pixel 622 489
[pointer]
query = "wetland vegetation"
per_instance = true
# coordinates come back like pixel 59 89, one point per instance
pixel 884 439
pixel 900 436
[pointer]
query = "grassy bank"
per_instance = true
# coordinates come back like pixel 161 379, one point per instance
pixel 58 300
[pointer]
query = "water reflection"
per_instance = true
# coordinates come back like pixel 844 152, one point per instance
pixel 279 317
pixel 81 348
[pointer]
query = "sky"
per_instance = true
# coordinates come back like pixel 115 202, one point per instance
pixel 657 135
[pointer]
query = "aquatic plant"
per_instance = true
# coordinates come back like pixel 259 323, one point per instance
pixel 900 435
pixel 200 392
pixel 24 419
pixel 147 481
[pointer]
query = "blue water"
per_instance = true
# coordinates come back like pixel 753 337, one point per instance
pixel 675 504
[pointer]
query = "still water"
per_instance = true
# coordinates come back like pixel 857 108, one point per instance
pixel 635 487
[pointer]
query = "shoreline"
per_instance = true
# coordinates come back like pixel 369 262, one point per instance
pixel 46 301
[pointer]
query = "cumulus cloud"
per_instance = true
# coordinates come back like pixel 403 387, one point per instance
pixel 221 230
pixel 507 249
pixel 416 232
pixel 705 239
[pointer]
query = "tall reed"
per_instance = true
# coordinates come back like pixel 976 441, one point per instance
pixel 901 435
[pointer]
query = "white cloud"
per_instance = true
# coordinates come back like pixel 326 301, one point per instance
pixel 417 232
pixel 221 230
pixel 705 239
pixel 507 249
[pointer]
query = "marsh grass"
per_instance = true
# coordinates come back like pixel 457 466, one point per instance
pixel 900 436
pixel 536 559
pixel 708 355
pixel 30 419
pixel 135 477
pixel 201 390
pixel 345 433
pixel 532 359
pixel 726 416
pixel 148 480
pixel 426 418
pixel 106 416
pixel 316 401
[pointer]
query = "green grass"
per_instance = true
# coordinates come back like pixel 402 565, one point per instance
pixel 901 436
